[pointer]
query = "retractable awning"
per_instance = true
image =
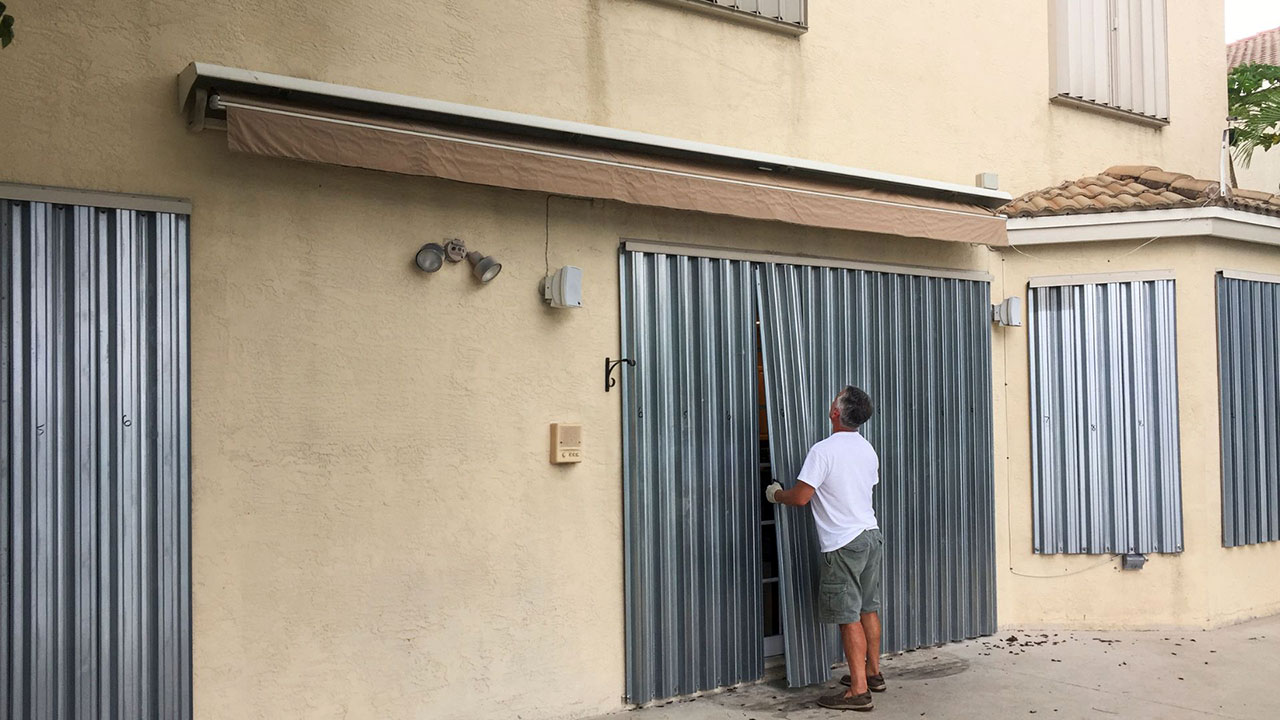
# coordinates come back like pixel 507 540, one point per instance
pixel 318 122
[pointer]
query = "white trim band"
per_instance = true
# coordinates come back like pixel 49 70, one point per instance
pixel 1099 278
pixel 717 253
pixel 94 198
pixel 1218 222
pixel 1250 276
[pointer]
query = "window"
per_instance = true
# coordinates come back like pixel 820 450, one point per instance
pixel 1104 416
pixel 1113 54
pixel 786 15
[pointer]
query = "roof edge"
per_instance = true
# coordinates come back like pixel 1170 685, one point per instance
pixel 1212 222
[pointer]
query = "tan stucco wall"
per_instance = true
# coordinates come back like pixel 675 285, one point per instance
pixel 377 529
pixel 1206 585
pixel 1263 172
pixel 377 533
pixel 936 90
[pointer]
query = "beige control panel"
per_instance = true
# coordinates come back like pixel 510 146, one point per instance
pixel 566 443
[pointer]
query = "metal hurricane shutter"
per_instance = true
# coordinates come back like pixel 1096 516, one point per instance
pixel 1104 418
pixel 1114 53
pixel 691 490
pixel 1248 366
pixel 921 347
pixel 96 446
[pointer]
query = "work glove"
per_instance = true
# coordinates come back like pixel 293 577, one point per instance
pixel 771 492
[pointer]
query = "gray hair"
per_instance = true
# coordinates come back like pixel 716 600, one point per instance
pixel 854 407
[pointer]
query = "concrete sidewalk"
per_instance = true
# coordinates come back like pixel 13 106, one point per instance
pixel 1227 673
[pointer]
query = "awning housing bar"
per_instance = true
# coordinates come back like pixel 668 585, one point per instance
pixel 200 80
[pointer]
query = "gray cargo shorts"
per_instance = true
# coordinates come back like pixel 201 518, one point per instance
pixel 851 579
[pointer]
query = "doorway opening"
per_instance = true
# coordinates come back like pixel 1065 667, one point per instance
pixel 769 569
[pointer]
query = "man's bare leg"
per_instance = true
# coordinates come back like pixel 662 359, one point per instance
pixel 871 631
pixel 855 651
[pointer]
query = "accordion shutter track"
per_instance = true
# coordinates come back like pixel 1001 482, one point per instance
pixel 94 513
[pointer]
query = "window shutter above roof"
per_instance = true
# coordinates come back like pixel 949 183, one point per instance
pixel 1113 53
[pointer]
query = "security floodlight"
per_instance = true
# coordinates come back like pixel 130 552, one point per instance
pixel 429 258
pixel 484 267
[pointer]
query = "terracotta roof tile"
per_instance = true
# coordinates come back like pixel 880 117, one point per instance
pixel 1252 195
pixel 1128 172
pixel 1262 48
pixel 1157 179
pixel 1126 188
pixel 1193 189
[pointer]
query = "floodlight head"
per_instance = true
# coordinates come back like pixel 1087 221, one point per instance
pixel 429 258
pixel 484 267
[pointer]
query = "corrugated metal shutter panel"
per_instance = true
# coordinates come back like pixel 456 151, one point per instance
pixel 1141 57
pixel 1249 377
pixel 691 476
pixel 921 347
pixel 1104 418
pixel 1084 49
pixel 1114 53
pixel 96 488
pixel 792 11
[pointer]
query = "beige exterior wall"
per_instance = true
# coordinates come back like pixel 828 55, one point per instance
pixel 935 90
pixel 1207 585
pixel 1263 172
pixel 377 533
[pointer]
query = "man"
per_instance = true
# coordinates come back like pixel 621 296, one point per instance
pixel 838 476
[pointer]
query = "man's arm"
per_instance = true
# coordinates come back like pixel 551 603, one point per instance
pixel 798 496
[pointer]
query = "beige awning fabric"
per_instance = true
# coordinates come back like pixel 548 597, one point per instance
pixel 549 166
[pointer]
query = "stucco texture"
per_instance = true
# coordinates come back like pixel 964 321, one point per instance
pixel 1207 585
pixel 1263 172
pixel 377 532
pixel 936 90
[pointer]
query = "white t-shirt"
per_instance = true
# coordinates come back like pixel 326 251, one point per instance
pixel 842 471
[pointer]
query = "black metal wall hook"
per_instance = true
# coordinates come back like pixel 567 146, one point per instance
pixel 609 365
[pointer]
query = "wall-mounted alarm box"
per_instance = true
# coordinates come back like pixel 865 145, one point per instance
pixel 563 288
pixel 1008 313
pixel 566 443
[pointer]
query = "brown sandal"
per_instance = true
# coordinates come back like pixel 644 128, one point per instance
pixel 875 683
pixel 838 701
